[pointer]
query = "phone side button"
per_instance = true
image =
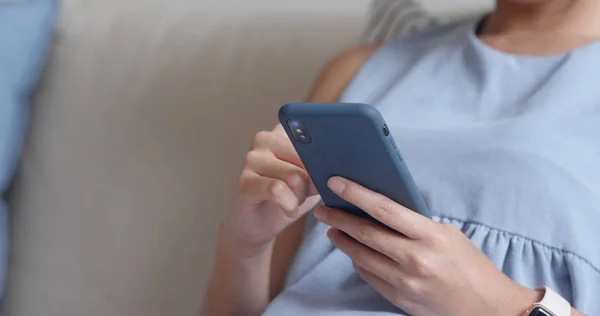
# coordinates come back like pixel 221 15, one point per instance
pixel 399 156
pixel 393 143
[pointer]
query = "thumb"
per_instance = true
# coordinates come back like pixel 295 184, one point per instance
pixel 312 189
pixel 307 206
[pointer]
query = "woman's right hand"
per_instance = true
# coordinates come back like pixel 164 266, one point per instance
pixel 273 191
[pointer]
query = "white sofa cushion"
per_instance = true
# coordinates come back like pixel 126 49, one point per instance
pixel 137 136
pixel 391 19
pixel 138 133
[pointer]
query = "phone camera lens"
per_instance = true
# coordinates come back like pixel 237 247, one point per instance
pixel 385 130
pixel 298 130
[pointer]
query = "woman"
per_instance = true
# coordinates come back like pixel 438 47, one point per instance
pixel 499 121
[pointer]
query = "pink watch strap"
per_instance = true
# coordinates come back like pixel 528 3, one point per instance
pixel 554 303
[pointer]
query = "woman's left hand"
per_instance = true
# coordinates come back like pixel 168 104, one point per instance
pixel 427 268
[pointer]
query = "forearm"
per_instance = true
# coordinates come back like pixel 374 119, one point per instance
pixel 240 281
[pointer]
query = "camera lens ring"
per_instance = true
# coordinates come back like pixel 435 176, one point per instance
pixel 298 131
pixel 385 130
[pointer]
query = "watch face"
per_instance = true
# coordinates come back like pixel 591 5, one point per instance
pixel 538 311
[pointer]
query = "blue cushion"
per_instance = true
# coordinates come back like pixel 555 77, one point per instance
pixel 25 32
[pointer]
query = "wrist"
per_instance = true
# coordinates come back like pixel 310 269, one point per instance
pixel 523 299
pixel 231 245
pixel 531 297
pixel 510 299
pixel 239 284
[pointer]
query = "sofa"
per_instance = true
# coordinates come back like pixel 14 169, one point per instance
pixel 136 136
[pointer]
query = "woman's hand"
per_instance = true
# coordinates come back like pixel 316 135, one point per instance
pixel 424 268
pixel 272 188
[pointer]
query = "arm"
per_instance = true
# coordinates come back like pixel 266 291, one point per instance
pixel 245 281
pixel 427 269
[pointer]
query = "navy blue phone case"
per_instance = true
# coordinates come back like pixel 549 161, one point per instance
pixel 352 141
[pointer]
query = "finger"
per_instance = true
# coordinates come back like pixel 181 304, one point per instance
pixel 259 189
pixel 279 145
pixel 309 205
pixel 388 212
pixel 376 237
pixel 390 292
pixel 279 129
pixel 367 258
pixel 312 189
pixel 267 165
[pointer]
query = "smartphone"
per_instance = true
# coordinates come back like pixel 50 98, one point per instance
pixel 350 140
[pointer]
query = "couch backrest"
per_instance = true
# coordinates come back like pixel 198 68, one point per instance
pixel 137 135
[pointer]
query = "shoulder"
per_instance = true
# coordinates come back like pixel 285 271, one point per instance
pixel 349 61
pixel 339 71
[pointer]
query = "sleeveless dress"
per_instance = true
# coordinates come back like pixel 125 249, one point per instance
pixel 505 147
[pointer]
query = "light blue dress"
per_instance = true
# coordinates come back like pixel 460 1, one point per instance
pixel 506 147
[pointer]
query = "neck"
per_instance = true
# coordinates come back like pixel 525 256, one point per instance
pixel 562 16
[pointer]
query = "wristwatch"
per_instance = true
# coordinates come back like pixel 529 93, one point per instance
pixel 551 305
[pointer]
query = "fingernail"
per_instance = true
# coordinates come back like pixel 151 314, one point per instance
pixel 336 185
pixel 293 213
pixel 321 213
